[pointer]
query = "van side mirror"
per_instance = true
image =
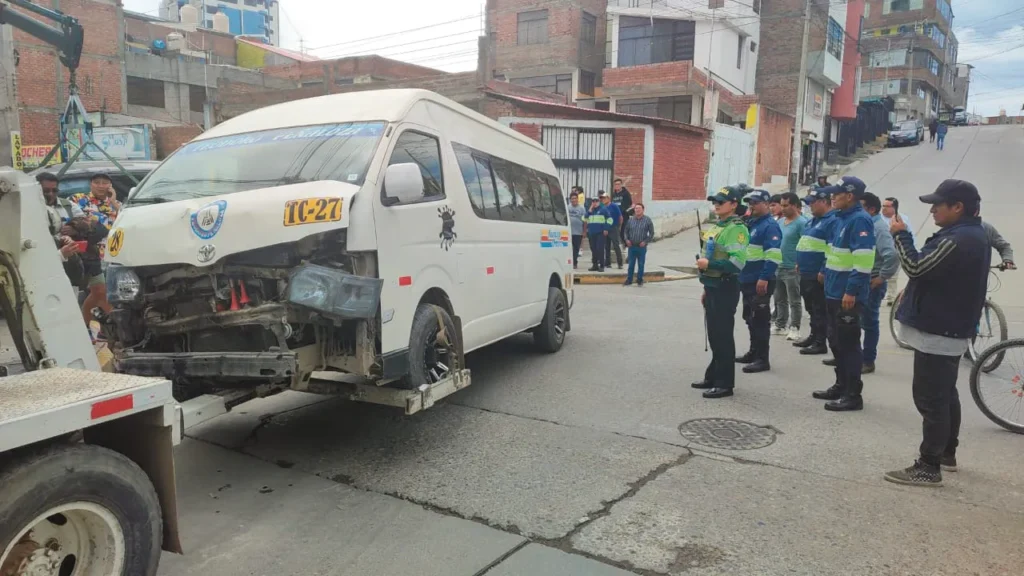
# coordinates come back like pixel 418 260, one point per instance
pixel 403 183
pixel 132 192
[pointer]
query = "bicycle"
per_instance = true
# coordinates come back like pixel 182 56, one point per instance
pixel 992 322
pixel 1010 395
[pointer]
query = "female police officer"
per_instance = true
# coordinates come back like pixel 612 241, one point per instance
pixel 723 258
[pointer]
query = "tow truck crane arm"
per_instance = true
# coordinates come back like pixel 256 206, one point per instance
pixel 67 39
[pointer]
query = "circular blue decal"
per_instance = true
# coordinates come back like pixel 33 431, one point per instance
pixel 207 220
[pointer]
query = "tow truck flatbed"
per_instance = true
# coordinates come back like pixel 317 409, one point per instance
pixel 44 404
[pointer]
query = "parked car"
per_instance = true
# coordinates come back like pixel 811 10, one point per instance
pixel 906 132
pixel 76 179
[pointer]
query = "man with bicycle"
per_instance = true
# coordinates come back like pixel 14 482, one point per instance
pixel 938 315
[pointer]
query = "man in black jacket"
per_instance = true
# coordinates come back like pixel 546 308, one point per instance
pixel 938 315
pixel 624 200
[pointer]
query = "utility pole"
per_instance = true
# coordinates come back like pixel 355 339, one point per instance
pixel 910 75
pixel 888 56
pixel 801 102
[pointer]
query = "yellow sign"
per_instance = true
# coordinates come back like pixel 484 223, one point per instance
pixel 33 156
pixel 312 211
pixel 16 159
pixel 116 242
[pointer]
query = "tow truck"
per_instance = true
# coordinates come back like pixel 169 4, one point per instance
pixel 86 467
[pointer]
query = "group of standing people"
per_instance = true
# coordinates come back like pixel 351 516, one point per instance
pixel 844 257
pixel 79 225
pixel 609 222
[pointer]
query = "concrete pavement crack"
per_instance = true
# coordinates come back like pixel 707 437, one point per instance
pixel 497 561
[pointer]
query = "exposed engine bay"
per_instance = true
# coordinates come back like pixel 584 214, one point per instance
pixel 270 316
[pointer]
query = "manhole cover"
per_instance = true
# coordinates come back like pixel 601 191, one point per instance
pixel 727 434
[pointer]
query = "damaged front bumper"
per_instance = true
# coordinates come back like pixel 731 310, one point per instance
pixel 248 365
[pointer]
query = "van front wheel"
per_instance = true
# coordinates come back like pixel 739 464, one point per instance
pixel 433 347
pixel 550 335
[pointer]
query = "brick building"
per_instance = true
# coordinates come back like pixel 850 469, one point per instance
pixel 778 73
pixel 910 54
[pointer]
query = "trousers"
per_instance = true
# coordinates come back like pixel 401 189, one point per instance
pixel 787 299
pixel 758 315
pixel 869 322
pixel 938 402
pixel 844 340
pixel 613 240
pixel 720 307
pixel 814 300
pixel 577 243
pixel 597 250
pixel 940 144
pixel 637 258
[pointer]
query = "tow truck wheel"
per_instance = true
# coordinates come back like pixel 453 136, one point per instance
pixel 78 510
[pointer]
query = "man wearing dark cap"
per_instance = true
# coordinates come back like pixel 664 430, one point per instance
pixel 725 253
pixel 849 258
pixel 810 263
pixel 937 317
pixel 757 280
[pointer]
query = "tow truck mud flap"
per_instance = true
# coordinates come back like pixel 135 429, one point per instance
pixel 412 401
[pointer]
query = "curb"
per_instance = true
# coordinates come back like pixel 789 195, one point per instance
pixel 649 277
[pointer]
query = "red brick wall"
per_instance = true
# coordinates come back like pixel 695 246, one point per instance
pixel 329 70
pixel 170 138
pixel 528 130
pixel 629 159
pixel 876 19
pixel 650 76
pixel 561 53
pixel 680 165
pixel 778 61
pixel 100 73
pixel 774 143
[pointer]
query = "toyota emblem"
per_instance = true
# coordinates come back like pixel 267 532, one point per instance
pixel 206 253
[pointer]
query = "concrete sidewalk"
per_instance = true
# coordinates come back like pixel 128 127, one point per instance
pixel 667 259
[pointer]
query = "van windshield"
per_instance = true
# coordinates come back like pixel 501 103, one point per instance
pixel 252 160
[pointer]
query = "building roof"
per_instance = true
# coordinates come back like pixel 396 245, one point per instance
pixel 555 108
pixel 297 56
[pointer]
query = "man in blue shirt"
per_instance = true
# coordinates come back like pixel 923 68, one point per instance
pixel 810 263
pixel 849 258
pixel 886 265
pixel 757 279
pixel 598 221
pixel 787 286
pixel 613 238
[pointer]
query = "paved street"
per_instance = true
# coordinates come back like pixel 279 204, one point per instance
pixel 574 463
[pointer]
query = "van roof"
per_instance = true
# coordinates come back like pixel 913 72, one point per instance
pixel 364 106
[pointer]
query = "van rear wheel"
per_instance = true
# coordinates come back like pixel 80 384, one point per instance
pixel 433 348
pixel 550 335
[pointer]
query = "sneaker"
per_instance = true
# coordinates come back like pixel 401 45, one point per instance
pixel 867 368
pixel 948 464
pixel 776 331
pixel 920 474
pixel 627 283
pixel 794 334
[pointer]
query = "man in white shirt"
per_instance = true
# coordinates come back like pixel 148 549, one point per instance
pixel 891 207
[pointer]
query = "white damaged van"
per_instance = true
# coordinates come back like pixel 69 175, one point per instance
pixel 382 234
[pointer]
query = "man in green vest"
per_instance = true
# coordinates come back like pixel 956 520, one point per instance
pixel 725 254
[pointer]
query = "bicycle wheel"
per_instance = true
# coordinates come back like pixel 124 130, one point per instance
pixel 992 329
pixel 1000 394
pixel 892 321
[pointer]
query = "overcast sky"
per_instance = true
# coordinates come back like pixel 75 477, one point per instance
pixel 443 35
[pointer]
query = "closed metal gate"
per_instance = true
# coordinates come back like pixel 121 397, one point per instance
pixel 583 157
pixel 733 159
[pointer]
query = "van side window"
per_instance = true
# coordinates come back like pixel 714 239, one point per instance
pixel 487 192
pixel 467 166
pixel 557 200
pixel 425 151
pixel 503 183
pixel 503 190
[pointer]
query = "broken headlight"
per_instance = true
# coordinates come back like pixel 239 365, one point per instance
pixel 334 292
pixel 123 284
